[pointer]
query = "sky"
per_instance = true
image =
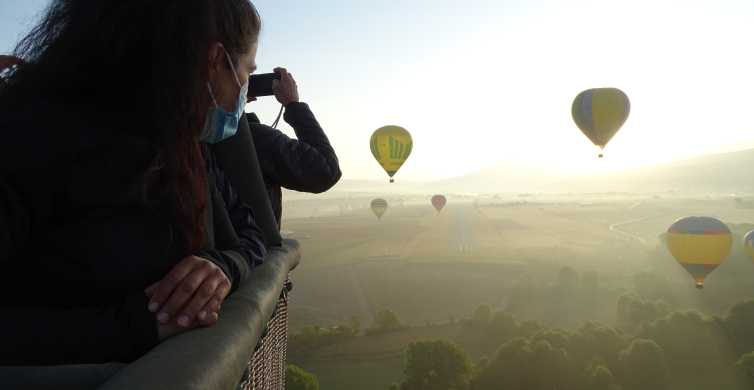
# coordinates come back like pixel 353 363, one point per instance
pixel 483 83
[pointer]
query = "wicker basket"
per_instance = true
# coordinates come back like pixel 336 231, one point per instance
pixel 266 370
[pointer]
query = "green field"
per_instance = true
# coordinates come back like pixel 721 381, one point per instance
pixel 433 269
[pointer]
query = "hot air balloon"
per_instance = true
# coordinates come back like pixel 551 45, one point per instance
pixel 439 202
pixel 699 244
pixel 749 244
pixel 600 113
pixel 379 206
pixel 391 146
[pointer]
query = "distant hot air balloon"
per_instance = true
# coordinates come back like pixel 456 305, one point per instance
pixel 391 146
pixel 439 202
pixel 699 244
pixel 600 113
pixel 749 244
pixel 379 206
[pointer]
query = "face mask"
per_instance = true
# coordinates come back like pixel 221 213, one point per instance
pixel 220 124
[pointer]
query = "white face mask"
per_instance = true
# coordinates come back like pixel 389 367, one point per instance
pixel 219 124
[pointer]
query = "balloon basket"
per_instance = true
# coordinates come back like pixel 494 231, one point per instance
pixel 700 286
pixel 392 181
pixel 601 155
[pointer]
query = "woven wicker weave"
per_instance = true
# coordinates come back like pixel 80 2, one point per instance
pixel 268 363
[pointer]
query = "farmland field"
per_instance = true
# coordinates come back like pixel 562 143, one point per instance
pixel 432 269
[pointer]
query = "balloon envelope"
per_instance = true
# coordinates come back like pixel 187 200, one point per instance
pixel 749 244
pixel 391 146
pixel 600 113
pixel 699 244
pixel 439 201
pixel 379 207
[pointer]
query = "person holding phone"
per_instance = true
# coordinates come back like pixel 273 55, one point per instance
pixel 114 218
pixel 307 163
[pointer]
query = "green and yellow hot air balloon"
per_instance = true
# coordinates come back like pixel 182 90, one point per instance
pixel 379 207
pixel 699 244
pixel 600 113
pixel 391 147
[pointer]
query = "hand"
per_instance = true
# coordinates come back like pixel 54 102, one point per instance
pixel 193 290
pixel 165 331
pixel 285 89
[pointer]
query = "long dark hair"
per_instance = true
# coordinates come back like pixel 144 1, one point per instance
pixel 145 61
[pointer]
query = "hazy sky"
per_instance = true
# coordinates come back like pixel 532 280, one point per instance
pixel 488 81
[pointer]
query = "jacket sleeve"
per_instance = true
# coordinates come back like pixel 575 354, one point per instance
pixel 26 201
pixel 33 175
pixel 33 157
pixel 15 221
pixel 246 249
pixel 28 162
pixel 120 332
pixel 306 164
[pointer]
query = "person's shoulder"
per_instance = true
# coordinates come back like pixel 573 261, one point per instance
pixel 44 132
pixel 265 134
pixel 252 118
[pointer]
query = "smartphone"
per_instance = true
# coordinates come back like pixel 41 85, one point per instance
pixel 261 84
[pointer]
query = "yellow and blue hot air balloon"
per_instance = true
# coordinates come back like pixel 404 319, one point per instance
pixel 391 146
pixel 600 113
pixel 699 244
pixel 379 207
pixel 749 244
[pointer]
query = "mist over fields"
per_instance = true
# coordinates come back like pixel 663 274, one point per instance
pixel 580 257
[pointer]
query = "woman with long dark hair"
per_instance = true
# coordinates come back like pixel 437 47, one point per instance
pixel 112 209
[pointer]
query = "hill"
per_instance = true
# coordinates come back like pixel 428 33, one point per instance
pixel 710 174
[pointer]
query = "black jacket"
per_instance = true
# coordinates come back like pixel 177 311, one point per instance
pixel 306 164
pixel 78 245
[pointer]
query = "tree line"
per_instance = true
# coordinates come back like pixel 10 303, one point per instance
pixel 651 348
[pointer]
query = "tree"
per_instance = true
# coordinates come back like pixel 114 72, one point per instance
pixel 553 366
pixel 523 365
pixel 590 282
pixel 746 364
pixel 693 343
pixel 558 338
pixel 644 367
pixel 510 369
pixel 739 324
pixel 482 315
pixel 529 328
pixel 385 321
pixel 436 365
pixel 502 327
pixel 355 324
pixel 634 311
pixel 698 349
pixel 600 378
pixel 298 379
pixel 480 366
pixel 594 341
pixel 568 278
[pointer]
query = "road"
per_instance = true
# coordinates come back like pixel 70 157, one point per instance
pixel 616 228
